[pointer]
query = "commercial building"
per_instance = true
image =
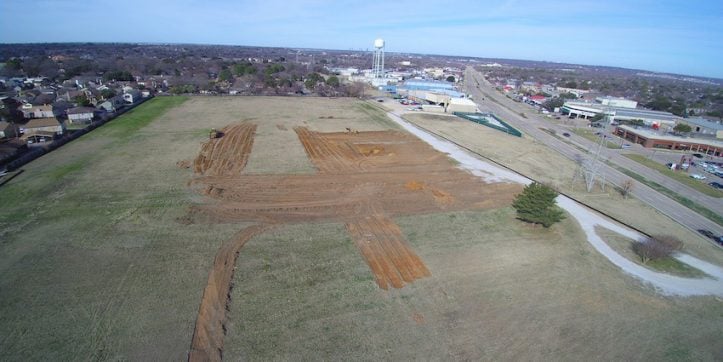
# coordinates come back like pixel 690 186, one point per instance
pixel 651 139
pixel 617 102
pixel 429 91
pixel 463 105
pixel 704 126
pixel 620 114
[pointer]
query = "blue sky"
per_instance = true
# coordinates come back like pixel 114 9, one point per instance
pixel 684 37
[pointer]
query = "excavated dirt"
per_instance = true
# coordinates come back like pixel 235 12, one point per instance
pixel 364 179
pixel 208 335
pixel 228 154
pixel 389 256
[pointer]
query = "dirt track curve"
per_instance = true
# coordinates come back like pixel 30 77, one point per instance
pixel 364 180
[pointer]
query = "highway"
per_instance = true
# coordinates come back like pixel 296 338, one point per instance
pixel 509 111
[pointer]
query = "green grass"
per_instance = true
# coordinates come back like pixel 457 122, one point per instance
pixel 676 175
pixel 673 266
pixel 712 215
pixel 127 124
pixel 62 171
pixel 590 135
pixel 376 114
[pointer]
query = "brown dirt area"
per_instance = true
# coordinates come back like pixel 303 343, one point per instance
pixel 364 179
pixel 228 154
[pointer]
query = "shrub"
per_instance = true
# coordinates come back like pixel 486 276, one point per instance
pixel 657 247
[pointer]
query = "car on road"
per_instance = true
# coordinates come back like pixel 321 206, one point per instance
pixel 706 233
pixel 627 145
pixel 716 185
pixel 566 134
pixel 697 155
pixel 697 176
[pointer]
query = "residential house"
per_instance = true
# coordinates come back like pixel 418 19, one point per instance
pixel 80 115
pixel 32 111
pixel 113 104
pixel 49 125
pixel 531 87
pixel 132 96
pixel 40 130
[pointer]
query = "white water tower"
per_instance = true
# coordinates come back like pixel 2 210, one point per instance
pixel 378 67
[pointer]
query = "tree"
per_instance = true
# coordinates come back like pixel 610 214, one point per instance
pixel 626 187
pixel 107 93
pixel 660 103
pixel 657 247
pixel 553 103
pixel 536 204
pixel 682 128
pixel 451 79
pixel 81 100
pixel 312 79
pixel 568 95
pixel 332 81
pixel 119 75
pixel 633 122
pixel 225 75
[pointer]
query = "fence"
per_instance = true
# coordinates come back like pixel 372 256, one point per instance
pixel 481 119
pixel 34 153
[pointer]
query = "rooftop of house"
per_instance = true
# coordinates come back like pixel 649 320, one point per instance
pixel 80 110
pixel 42 122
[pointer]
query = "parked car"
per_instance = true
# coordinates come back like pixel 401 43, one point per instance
pixel 697 176
pixel 716 185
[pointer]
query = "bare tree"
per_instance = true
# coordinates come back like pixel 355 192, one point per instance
pixel 657 247
pixel 627 187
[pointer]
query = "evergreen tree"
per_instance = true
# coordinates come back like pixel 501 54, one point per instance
pixel 536 204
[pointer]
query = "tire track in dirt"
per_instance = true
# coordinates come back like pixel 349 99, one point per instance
pixel 210 329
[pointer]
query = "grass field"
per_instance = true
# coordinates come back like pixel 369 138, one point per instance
pixel 531 158
pixel 96 265
pixel 679 176
pixel 590 135
pixel 499 290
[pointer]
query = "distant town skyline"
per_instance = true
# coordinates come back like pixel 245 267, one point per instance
pixel 680 37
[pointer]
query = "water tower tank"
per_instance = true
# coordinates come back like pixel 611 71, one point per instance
pixel 379 43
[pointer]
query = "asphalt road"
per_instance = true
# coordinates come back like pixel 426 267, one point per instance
pixel 532 124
